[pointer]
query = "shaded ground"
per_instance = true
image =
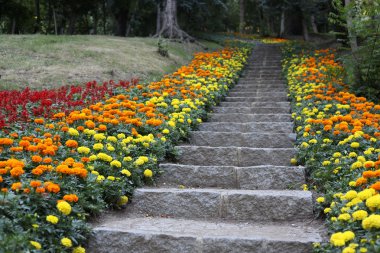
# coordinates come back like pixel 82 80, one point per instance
pixel 40 61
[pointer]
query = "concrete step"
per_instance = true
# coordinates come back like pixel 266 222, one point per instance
pixel 249 178
pixel 257 94
pixel 229 139
pixel 256 99
pixel 256 104
pixel 244 118
pixel 273 127
pixel 211 203
pixel 147 235
pixel 234 156
pixel 259 83
pixel 251 110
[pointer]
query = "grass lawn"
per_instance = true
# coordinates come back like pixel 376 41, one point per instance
pixel 47 61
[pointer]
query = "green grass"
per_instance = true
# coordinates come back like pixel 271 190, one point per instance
pixel 40 61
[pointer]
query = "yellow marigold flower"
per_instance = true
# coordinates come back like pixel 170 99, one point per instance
pixel 363 250
pixel 313 141
pixel 66 242
pixel 121 136
pixel 359 215
pixel 372 221
pixel 35 244
pixel 304 187
pixel 64 207
pixel 83 150
pixel 373 202
pixel 352 154
pixel 105 157
pixel 122 200
pixel 99 137
pixel 127 159
pixel 73 132
pixel 365 194
pixel 344 217
pixel 325 163
pixel 165 131
pixel 111 178
pixel 320 199
pixel 337 154
pixel 79 250
pixel 52 219
pixel 93 157
pixel 126 172
pixel 112 139
pixel 355 144
pixel 100 178
pixel 327 210
pixel 348 235
pixel 356 165
pixel 348 250
pixel 337 239
pixel 98 146
pixel 148 173
pixel 350 195
pixel 116 163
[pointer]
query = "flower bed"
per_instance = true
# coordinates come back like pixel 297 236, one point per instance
pixel 61 169
pixel 22 106
pixel 338 136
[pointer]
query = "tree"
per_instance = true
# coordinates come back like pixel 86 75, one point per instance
pixel 241 15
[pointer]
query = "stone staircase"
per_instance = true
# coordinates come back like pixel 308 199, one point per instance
pixel 233 189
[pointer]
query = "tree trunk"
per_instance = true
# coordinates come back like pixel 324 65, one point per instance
pixel 55 21
pixel 158 19
pixel 121 24
pixel 104 10
pixel 72 23
pixel 351 33
pixel 170 28
pixel 37 25
pixel 241 16
pixel 13 31
pixel 282 25
pixel 305 32
pixel 313 24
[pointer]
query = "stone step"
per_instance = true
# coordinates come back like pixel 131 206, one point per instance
pixel 147 235
pixel 256 99
pixel 212 203
pixel 249 178
pixel 256 104
pixel 260 89
pixel 257 94
pixel 229 139
pixel 260 83
pixel 273 127
pixel 251 110
pixel 244 118
pixel 234 156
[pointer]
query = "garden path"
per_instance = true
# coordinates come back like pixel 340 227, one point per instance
pixel 240 195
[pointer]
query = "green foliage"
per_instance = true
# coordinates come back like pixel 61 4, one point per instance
pixel 363 63
pixel 163 48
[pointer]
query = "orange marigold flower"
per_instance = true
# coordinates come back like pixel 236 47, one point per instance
pixel 26 190
pixel 16 186
pixel 24 143
pixel 71 198
pixel 361 181
pixel 71 143
pixel 40 189
pixel 35 183
pixel 47 160
pixel 369 174
pixel 53 188
pixel 17 171
pixel 36 158
pixel 4 190
pixel 39 121
pixel 376 186
pixel 1 179
pixel 369 164
pixel 37 171
pixel 6 141
pixel 102 127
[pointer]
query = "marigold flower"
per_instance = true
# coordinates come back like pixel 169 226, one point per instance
pixel 66 242
pixel 36 158
pixel 64 207
pixel 148 173
pixel 52 219
pixel 79 250
pixel 35 244
pixel 71 198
